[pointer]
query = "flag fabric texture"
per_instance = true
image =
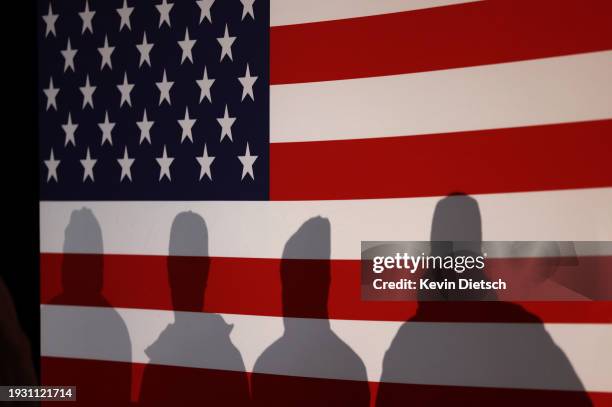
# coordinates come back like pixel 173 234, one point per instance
pixel 209 168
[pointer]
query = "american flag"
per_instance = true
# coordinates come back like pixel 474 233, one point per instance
pixel 209 168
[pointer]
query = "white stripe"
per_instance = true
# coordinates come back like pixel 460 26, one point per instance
pixel 261 229
pixel 93 333
pixel 285 12
pixel 542 91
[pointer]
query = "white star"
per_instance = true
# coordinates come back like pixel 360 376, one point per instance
pixel 125 88
pixel 106 53
pixel 68 55
pixel 51 94
pixel 145 128
pixel 50 20
pixel 226 123
pixel 226 44
pixel 205 84
pixel 205 162
pixel 186 45
pixel 164 12
pixel 205 6
pixel 87 92
pixel 69 129
pixel 186 124
pixel 126 164
pixel 52 165
pixel 124 13
pixel 87 17
pixel 88 164
pixel 144 48
pixel 247 82
pixel 247 161
pixel 164 165
pixel 164 89
pixel 107 130
pixel 247 8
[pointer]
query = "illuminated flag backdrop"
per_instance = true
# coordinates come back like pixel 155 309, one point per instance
pixel 254 116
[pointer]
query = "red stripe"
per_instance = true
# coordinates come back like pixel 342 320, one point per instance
pixel 104 382
pixel 438 38
pixel 535 158
pixel 253 287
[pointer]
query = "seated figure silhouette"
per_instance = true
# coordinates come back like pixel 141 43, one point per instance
pixel 212 372
pixel 469 361
pixel 301 367
pixel 82 282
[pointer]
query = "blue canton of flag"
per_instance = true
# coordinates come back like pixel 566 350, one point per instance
pixel 154 100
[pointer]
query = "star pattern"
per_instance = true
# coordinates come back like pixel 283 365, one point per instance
pixel 125 88
pixel 186 46
pixel 87 90
pixel 205 6
pixel 226 43
pixel 247 81
pixel 205 84
pixel 124 13
pixel 145 128
pixel 126 165
pixel 69 55
pixel 51 93
pixel 247 161
pixel 164 89
pixel 106 51
pixel 164 165
pixel 107 130
pixel 205 162
pixel 186 124
pixel 52 165
pixel 69 130
pixel 87 16
pixel 164 115
pixel 88 164
pixel 50 19
pixel 247 8
pixel 144 48
pixel 226 122
pixel 164 12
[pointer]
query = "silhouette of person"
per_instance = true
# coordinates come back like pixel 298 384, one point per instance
pixel 299 368
pixel 432 362
pixel 82 282
pixel 216 374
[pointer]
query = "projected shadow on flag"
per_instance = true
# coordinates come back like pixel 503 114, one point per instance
pixel 309 352
pixel 447 354
pixel 82 283
pixel 212 371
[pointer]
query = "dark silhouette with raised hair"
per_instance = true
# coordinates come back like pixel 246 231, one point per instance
pixel 473 364
pixel 82 283
pixel 201 341
pixel 309 349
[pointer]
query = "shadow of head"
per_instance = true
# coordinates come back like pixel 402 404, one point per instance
pixel 305 270
pixel 188 261
pixel 456 231
pixel 456 225
pixel 82 269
